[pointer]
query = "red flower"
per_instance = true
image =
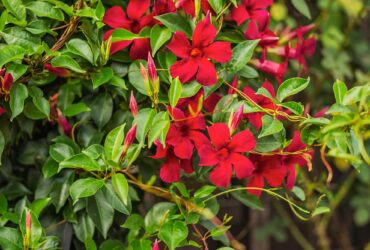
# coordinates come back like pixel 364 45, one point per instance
pixel 266 36
pixel 267 168
pixel 185 133
pixel 224 152
pixel 6 82
pixel 163 6
pixel 289 161
pixel 170 170
pixel 189 7
pixel 256 118
pixel 271 67
pixel 254 10
pixel 134 21
pixel 195 62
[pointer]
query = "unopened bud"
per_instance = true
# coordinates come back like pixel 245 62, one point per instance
pixel 234 85
pixel 155 245
pixel 235 119
pixel 59 71
pixel 133 104
pixel 145 77
pixel 129 139
pixel 152 70
pixel 28 221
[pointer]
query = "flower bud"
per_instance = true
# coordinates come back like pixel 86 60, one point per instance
pixel 28 221
pixel 130 137
pixel 235 119
pixel 59 71
pixel 63 122
pixel 152 70
pixel 133 104
pixel 145 77
pixel 234 84
pixel 155 245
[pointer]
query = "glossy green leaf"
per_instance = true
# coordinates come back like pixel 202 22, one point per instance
pixel 270 126
pixel 340 90
pixel 101 77
pixel 60 151
pixel 36 228
pixel 45 9
pixel 158 37
pixel 75 109
pixel 67 62
pixel 80 161
pixel 3 204
pixel 101 212
pixel 113 143
pixel 174 93
pixel 143 120
pixel 302 7
pixel 135 77
pixel 81 48
pixel 296 107
pixel 242 53
pixel 175 22
pixel 84 188
pixel 10 239
pixel 173 233
pixel 39 205
pixel 291 87
pixel 190 89
pixel 16 7
pixel 102 108
pixel 120 185
pixel 11 53
pixel 216 5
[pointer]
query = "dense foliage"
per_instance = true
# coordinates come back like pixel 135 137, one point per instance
pixel 127 124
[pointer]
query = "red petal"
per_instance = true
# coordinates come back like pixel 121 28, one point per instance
pixel 208 156
pixel 255 182
pixel 267 85
pixel 184 69
pixel 187 166
pixel 196 122
pixel 291 177
pixel 170 170
pixel 211 101
pixel 207 74
pixel 221 175
pixel 204 33
pixel 184 149
pixel 252 32
pixel 180 45
pixel 239 14
pixel 2 111
pixel 262 4
pixel 219 51
pixel 139 49
pixel 115 17
pixel 176 113
pixel 161 151
pixel 255 119
pixel 274 174
pixel 219 134
pixel 243 141
pixel 7 82
pixel 262 17
pixel 296 143
pixel 243 167
pixel 198 138
pixel 137 8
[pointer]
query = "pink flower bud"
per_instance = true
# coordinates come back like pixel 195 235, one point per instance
pixel 130 137
pixel 28 221
pixel 59 71
pixel 145 77
pixel 155 245
pixel 133 104
pixel 236 119
pixel 63 122
pixel 234 84
pixel 152 70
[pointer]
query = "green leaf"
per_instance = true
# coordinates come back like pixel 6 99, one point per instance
pixel 60 151
pixel 39 205
pixel 3 204
pixel 248 72
pixel 174 93
pixel 44 9
pixel 17 8
pixel 80 161
pixel 19 36
pixel 302 7
pixel 175 22
pixel 84 228
pixel 102 108
pixel 135 77
pixel 242 53
pixel 204 191
pixel 76 109
pixel 113 143
pixel 81 48
pixel 84 188
pixel 134 222
pixel 123 35
pixel 248 199
pixel 50 168
pixel 120 185
pixel 143 120
pixel 115 201
pixel 42 105
pixel 158 131
pixel 90 244
pixel 173 233
pixel 157 216
pixel 190 89
pixel 94 151
pixel 296 107
pixel 158 36
pixel 297 191
pixel 10 239
pixel 270 126
pixel 10 53
pixel 101 77
pixel 291 87
pixel 67 62
pixel 18 94
pixel 340 90
pixel 101 212
pixel 17 70
pixel 267 144
pixel 216 5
